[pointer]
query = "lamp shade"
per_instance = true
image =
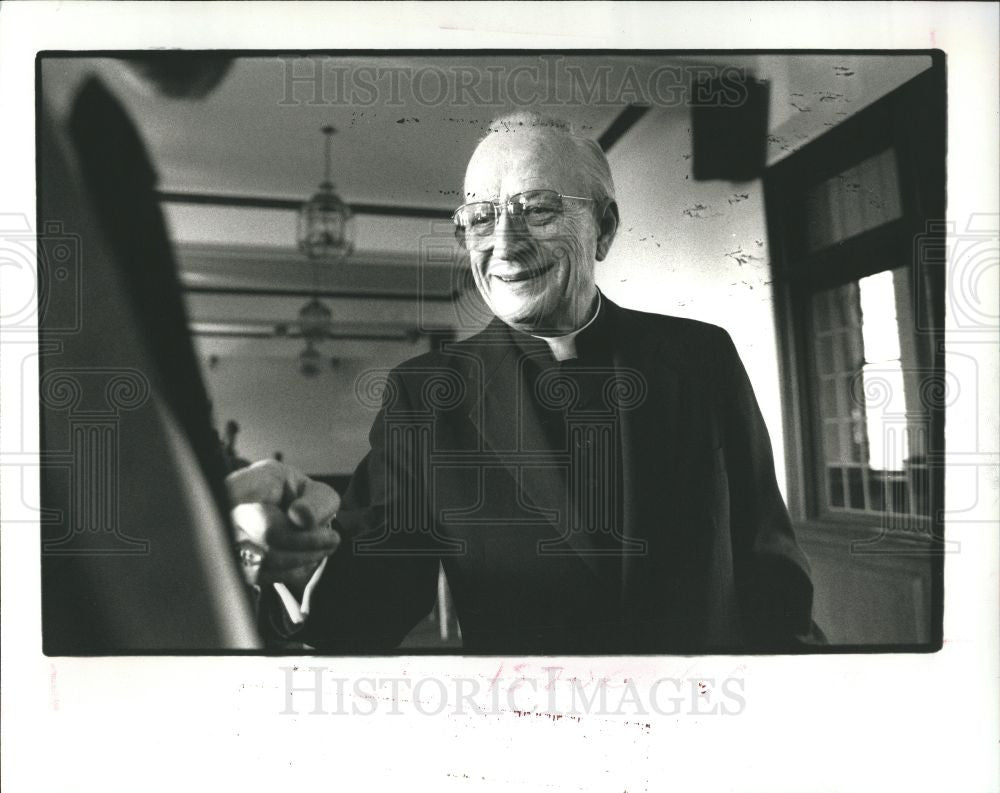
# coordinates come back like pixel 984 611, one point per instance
pixel 325 226
pixel 314 320
pixel 310 360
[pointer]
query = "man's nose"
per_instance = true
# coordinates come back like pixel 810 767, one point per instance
pixel 510 237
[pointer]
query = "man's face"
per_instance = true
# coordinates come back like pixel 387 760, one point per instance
pixel 538 279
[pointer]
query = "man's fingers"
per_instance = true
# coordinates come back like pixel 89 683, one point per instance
pixel 283 535
pixel 315 505
pixel 264 482
pixel 274 496
pixel 286 514
pixel 279 561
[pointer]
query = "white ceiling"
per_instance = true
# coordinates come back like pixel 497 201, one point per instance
pixel 256 135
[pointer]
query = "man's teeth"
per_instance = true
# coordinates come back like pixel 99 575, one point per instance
pixel 522 276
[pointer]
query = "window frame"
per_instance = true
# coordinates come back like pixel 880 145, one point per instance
pixel 911 121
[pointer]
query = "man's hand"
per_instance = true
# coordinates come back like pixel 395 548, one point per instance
pixel 293 513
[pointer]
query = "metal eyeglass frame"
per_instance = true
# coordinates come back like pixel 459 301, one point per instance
pixel 496 203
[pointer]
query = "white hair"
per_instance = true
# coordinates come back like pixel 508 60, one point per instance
pixel 589 154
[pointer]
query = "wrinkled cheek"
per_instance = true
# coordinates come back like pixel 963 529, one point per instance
pixel 572 249
pixel 479 278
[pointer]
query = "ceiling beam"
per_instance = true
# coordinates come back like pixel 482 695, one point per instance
pixel 623 122
pixel 265 202
pixel 260 334
pixel 251 291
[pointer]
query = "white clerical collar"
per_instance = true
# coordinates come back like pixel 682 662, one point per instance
pixel 564 347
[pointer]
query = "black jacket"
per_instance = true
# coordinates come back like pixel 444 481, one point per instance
pixel 464 469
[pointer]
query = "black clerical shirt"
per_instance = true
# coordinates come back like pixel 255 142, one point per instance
pixel 575 399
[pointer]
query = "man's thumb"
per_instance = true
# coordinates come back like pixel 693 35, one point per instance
pixel 301 516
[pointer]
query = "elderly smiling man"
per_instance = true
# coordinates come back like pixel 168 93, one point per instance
pixel 593 479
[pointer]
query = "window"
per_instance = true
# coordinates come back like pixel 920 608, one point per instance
pixel 859 320
pixel 873 429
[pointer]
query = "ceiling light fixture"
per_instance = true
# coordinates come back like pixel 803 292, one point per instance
pixel 325 226
pixel 325 236
pixel 310 360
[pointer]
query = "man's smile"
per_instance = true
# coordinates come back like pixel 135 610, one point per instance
pixel 510 276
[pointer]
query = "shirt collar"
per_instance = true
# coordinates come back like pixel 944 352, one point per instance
pixel 564 347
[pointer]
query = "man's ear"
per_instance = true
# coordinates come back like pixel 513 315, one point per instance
pixel 606 230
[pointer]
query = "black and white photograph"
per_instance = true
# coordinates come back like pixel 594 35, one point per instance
pixel 390 373
pixel 465 347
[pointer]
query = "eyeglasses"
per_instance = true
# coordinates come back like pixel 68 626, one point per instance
pixel 535 208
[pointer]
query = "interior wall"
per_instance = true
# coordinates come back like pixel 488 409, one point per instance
pixel 319 424
pixel 694 249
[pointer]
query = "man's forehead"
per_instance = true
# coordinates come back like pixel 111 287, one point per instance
pixel 518 160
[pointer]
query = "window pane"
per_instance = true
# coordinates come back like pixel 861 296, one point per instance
pixel 898 490
pixel 876 490
pixel 829 386
pixel 885 416
pixel 831 445
pixel 861 198
pixel 836 487
pixel 856 488
pixel 920 487
pixel 855 438
pixel 878 318
pixel 825 359
pixel 872 428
